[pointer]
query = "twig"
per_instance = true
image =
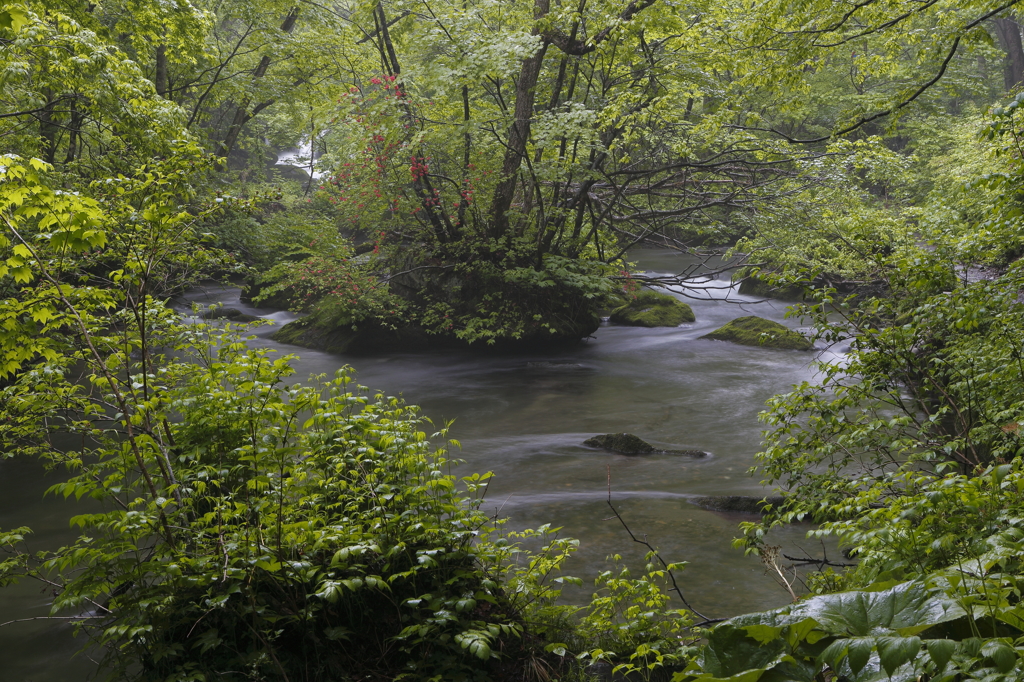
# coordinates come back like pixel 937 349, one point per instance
pixel 23 620
pixel 654 552
pixel 769 557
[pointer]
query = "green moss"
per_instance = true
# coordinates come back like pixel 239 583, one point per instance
pixel 651 309
pixel 757 331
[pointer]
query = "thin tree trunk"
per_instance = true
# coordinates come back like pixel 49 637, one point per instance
pixel 519 132
pixel 1008 31
pixel 160 80
pixel 48 128
pixel 74 132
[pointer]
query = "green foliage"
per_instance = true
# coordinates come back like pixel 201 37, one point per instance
pixel 96 110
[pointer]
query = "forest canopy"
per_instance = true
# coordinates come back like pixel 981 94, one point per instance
pixel 475 174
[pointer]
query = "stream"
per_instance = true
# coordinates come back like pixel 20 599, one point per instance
pixel 525 418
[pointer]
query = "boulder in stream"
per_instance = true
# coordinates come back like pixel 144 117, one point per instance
pixel 652 309
pixel 231 314
pixel 757 331
pixel 628 444
pixel 622 443
pixel 743 504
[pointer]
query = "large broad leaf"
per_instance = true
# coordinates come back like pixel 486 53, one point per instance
pixel 730 651
pixel 905 609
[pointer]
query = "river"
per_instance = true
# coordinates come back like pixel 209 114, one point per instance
pixel 525 418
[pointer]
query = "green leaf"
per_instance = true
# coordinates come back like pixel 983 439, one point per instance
pixel 941 650
pixel 907 609
pixel 13 18
pixel 895 651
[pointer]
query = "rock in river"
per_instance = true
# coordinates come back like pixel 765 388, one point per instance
pixel 651 309
pixel 628 444
pixel 735 503
pixel 232 314
pixel 757 331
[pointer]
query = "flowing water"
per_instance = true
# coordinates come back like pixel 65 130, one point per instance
pixel 525 418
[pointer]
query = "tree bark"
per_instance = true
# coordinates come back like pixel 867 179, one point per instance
pixel 519 131
pixel 74 132
pixel 48 128
pixel 160 79
pixel 1008 31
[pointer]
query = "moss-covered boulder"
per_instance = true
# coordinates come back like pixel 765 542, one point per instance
pixel 757 331
pixel 232 314
pixel 742 504
pixel 652 309
pixel 622 443
pixel 628 444
pixel 306 333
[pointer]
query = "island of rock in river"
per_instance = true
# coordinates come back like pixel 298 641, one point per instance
pixel 757 331
pixel 651 309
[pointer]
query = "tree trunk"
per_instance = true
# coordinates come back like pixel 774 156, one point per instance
pixel 48 128
pixel 519 131
pixel 1008 31
pixel 160 80
pixel 74 132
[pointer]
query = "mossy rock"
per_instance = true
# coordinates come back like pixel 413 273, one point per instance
pixel 306 332
pixel 757 331
pixel 622 443
pixel 628 444
pixel 232 314
pixel 735 503
pixel 652 309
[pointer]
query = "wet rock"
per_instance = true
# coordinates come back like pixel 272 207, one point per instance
pixel 628 444
pixel 757 331
pixel 735 503
pixel 232 314
pixel 651 309
pixel 622 443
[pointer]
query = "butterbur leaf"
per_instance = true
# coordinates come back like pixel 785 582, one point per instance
pixel 907 608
